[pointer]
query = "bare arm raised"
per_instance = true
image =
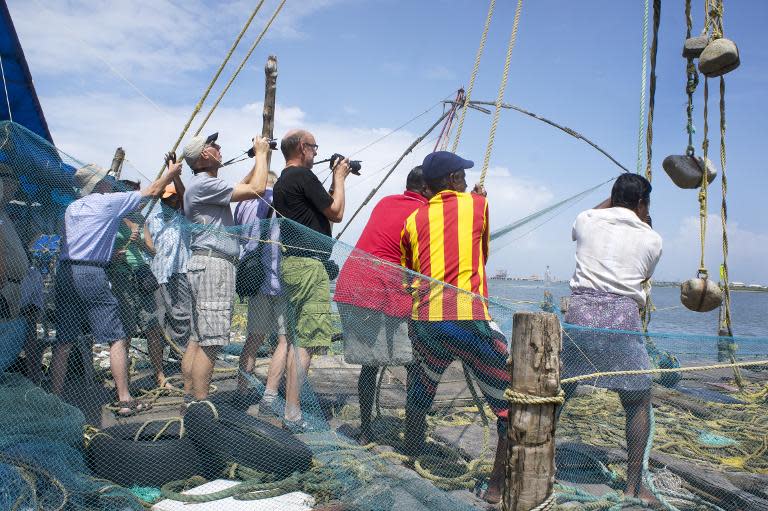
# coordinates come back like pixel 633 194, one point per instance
pixel 255 182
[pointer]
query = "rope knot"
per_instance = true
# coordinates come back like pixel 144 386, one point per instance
pixel 520 398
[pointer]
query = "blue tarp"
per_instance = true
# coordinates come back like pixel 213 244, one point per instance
pixel 25 106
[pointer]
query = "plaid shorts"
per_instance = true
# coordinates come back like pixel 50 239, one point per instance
pixel 212 281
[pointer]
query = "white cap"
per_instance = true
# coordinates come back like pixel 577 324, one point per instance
pixel 195 146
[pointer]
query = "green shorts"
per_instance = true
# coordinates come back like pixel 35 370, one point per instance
pixel 307 292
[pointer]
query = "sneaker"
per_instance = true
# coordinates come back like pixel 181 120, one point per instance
pixel 268 411
pixel 299 427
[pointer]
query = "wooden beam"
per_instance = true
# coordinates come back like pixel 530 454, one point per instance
pixel 535 371
pixel 270 91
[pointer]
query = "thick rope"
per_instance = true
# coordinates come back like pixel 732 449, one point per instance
pixel 636 372
pixel 520 398
pixel 549 504
pixel 704 183
pixel 207 91
pixel 692 82
pixel 652 91
pixel 472 78
pixel 500 96
pixel 642 88
pixel 241 66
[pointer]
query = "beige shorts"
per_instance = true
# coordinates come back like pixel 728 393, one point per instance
pixel 266 314
pixel 212 281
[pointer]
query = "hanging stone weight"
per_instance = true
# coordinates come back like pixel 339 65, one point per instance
pixel 694 46
pixel 685 171
pixel 719 57
pixel 701 294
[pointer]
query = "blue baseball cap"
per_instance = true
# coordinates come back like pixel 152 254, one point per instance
pixel 442 163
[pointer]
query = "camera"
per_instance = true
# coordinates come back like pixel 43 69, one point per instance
pixel 354 165
pixel 272 145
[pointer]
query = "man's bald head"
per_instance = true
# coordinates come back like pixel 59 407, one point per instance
pixel 290 145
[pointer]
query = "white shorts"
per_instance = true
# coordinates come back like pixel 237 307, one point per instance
pixel 266 314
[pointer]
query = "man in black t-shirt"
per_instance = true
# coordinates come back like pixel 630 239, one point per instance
pixel 299 196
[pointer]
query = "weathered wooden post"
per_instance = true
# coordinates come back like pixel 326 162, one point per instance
pixel 117 163
pixel 270 90
pixel 534 395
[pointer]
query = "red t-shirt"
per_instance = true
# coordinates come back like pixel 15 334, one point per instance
pixel 372 277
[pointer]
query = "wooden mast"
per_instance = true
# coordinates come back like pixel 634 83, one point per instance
pixel 270 90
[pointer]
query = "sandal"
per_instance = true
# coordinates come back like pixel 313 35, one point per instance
pixel 134 406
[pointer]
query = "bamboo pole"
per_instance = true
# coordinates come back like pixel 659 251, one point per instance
pixel 270 90
pixel 535 373
pixel 117 163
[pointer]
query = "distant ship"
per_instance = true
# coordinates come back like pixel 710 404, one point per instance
pixel 500 275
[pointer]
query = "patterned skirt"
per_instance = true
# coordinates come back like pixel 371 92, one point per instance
pixel 587 351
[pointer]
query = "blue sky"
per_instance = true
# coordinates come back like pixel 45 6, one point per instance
pixel 351 71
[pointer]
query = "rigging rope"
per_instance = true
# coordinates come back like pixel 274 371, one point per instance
pixel 691 83
pixel 389 173
pixel 207 91
pixel 500 96
pixel 472 78
pixel 642 89
pixel 5 87
pixel 240 67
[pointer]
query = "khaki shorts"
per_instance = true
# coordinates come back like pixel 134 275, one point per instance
pixel 373 338
pixel 212 281
pixel 266 314
pixel 307 294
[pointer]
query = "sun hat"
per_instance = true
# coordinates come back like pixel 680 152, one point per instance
pixel 86 178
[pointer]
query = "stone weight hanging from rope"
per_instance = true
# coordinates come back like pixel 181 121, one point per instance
pixel 718 58
pixel 686 171
pixel 701 294
pixel 694 46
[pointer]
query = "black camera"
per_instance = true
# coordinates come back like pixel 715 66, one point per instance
pixel 272 145
pixel 354 165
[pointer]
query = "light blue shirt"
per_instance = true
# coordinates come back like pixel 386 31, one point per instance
pixel 91 224
pixel 171 240
pixel 251 214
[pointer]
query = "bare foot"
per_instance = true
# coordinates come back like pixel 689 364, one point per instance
pixel 649 498
pixel 492 494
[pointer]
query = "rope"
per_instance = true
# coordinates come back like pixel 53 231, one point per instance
pixel 5 87
pixel 642 88
pixel 549 504
pixel 691 83
pixel 472 78
pixel 242 64
pixel 652 99
pixel 389 173
pixel 500 96
pixel 207 91
pixel 520 398
pixel 704 183
pixel 636 372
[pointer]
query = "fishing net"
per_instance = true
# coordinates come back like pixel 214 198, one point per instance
pixel 276 432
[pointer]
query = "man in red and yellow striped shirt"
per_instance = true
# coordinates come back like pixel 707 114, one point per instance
pixel 446 242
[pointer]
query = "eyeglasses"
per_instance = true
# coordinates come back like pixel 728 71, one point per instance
pixel 313 146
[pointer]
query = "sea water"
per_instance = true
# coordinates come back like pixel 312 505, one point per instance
pixel 691 331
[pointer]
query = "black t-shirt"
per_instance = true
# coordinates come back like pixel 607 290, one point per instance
pixel 299 196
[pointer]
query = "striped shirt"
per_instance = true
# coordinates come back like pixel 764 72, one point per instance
pixel 447 240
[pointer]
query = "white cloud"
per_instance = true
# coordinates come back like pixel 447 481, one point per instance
pixel 745 251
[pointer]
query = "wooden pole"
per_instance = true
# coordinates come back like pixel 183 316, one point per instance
pixel 270 90
pixel 535 371
pixel 117 163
